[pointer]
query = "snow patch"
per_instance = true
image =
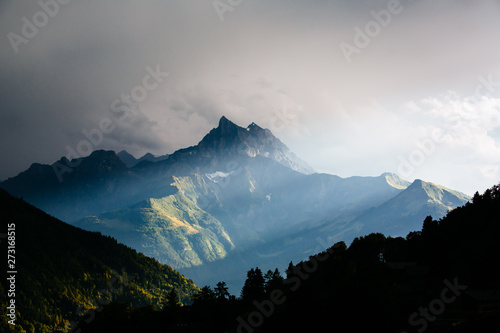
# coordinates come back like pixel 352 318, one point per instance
pixel 218 175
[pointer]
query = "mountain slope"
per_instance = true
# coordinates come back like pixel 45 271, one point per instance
pixel 409 208
pixel 171 229
pixel 64 271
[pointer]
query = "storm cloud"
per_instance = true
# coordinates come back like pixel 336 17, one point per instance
pixel 354 88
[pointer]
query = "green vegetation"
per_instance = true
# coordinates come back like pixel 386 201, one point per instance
pixel 64 271
pixel 172 229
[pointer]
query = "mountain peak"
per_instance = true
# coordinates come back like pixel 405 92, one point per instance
pixel 254 128
pixel 396 181
pixel 101 161
pixel 128 159
pixel 231 139
pixel 225 123
pixel 148 155
pixel 418 183
pixel 437 191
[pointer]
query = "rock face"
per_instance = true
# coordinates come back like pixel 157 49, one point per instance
pixel 231 141
pixel 238 199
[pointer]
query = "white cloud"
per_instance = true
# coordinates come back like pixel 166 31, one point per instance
pixel 466 153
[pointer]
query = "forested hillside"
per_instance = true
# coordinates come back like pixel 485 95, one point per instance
pixel 63 272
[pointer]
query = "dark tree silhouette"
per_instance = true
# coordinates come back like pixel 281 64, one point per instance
pixel 204 297
pixel 254 287
pixel 221 291
pixel 274 281
pixel 172 302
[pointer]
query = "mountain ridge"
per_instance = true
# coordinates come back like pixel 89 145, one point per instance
pixel 240 182
pixel 435 201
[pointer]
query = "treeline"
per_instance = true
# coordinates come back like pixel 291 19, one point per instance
pixel 410 284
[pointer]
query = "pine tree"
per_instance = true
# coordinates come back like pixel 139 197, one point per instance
pixel 221 291
pixel 274 281
pixel 254 287
pixel 172 301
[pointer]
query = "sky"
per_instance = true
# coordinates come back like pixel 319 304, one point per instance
pixel 355 88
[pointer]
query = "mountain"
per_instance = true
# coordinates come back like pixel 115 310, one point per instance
pixel 239 197
pixel 71 190
pixel 64 271
pixel 352 207
pixel 409 208
pixel 62 189
pixel 229 139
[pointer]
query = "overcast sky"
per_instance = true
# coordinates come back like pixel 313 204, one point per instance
pixel 352 87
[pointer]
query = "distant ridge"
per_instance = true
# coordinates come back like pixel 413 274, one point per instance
pixel 130 161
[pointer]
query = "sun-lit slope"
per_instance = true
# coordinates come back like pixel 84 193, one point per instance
pixel 172 229
pixel 441 195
